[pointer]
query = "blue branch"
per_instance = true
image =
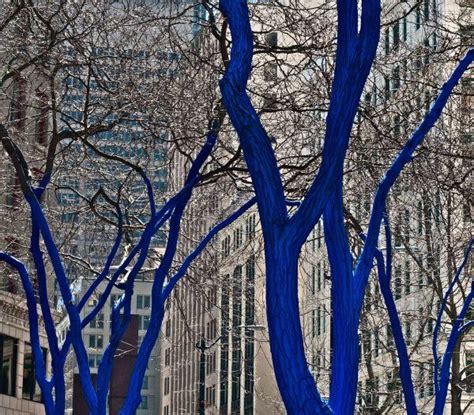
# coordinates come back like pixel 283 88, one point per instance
pixel 197 251
pixel 344 308
pixel 157 305
pixel 72 311
pixel 354 59
pixel 441 390
pixel 57 363
pixel 364 263
pixel 40 369
pixel 256 145
pixel 161 217
pixel 441 310
pixel 385 275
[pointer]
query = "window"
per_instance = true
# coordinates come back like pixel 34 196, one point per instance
pixel 398 236
pixel 389 334
pixel 420 217
pixel 394 387
pixel 313 279
pixel 470 313
pixel 426 10
pixel 407 278
pixel 96 341
pixel 377 345
pixel 398 283
pixel 396 126
pixel 421 381
pixel 421 323
pixel 249 378
pixel 143 301
pixel 271 39
pixel 319 235
pixel 387 88
pixel 211 395
pixel 144 403
pixel 212 296
pixel 168 328
pixel 270 71
pixel 426 56
pixel 421 279
pixel 94 360
pixel 417 17
pixel 167 356
pixel 387 41
pixel 226 246
pixel 408 332
pixel 270 103
pixel 31 390
pixel 212 329
pixel 114 298
pixel 97 322
pixel 366 342
pixel 429 386
pixel 143 322
pixel 211 363
pixel 166 410
pixel 405 29
pixel 238 237
pixel 396 35
pixel 166 387
pixel 317 322
pixel 407 228
pixel 429 326
pixel 313 323
pixel 250 227
pixel 146 382
pixel 396 80
pixel 8 354
pixel 319 277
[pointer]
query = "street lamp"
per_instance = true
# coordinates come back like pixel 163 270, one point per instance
pixel 203 347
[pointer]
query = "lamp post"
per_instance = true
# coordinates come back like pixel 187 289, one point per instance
pixel 203 347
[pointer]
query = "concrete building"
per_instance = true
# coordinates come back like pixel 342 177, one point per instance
pixel 19 392
pixel 96 337
pixel 23 112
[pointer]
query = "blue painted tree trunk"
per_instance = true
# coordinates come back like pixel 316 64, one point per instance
pixel 295 382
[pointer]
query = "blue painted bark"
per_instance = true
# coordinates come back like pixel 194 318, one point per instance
pixel 40 369
pixel 384 271
pixel 157 301
pixel 442 375
pixel 354 57
pixel 283 235
pixel 72 311
pixel 345 308
pixel 57 364
pixel 295 381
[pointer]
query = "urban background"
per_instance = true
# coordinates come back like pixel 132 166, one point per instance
pixel 99 94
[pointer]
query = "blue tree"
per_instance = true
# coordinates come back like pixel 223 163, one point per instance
pixel 53 389
pixel 284 234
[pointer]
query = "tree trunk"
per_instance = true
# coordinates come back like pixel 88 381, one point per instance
pixel 345 351
pixel 296 384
